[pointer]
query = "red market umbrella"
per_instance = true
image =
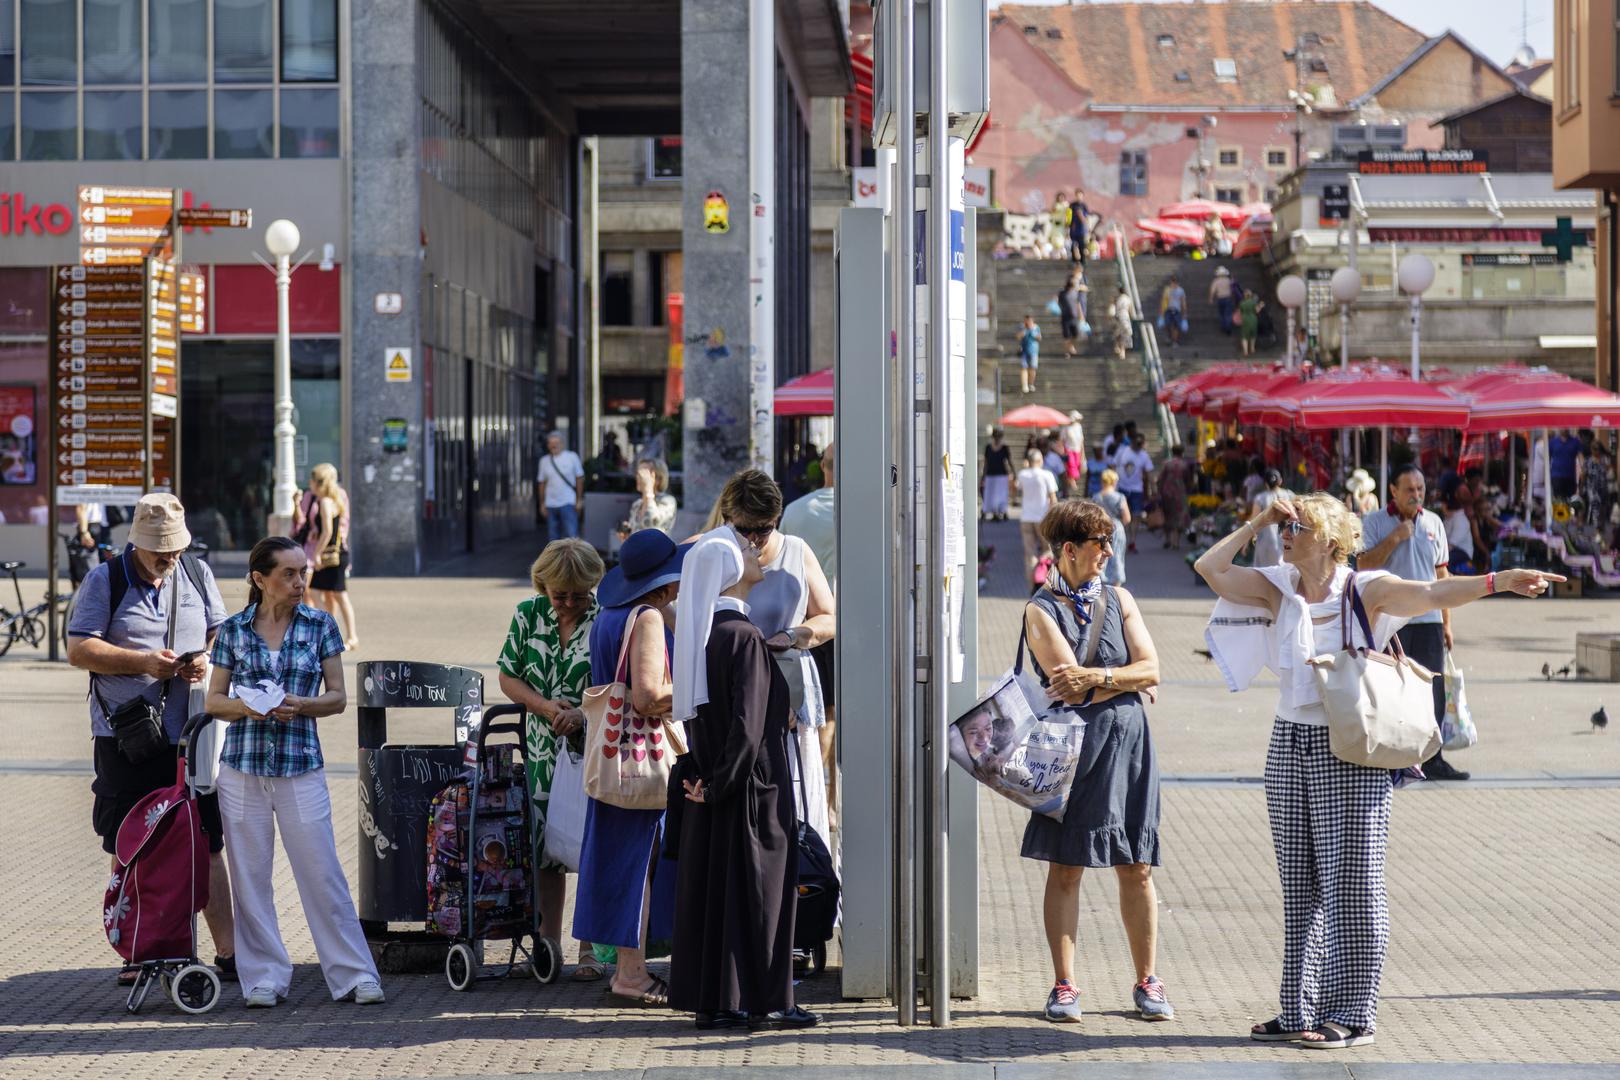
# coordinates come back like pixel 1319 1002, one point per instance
pixel 1230 214
pixel 1220 401
pixel 1172 229
pixel 1378 401
pixel 1518 404
pixel 1174 393
pixel 806 395
pixel 1034 416
pixel 1276 407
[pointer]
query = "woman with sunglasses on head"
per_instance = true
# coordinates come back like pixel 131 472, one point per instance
pixel 545 666
pixel 1112 818
pixel 1329 818
pixel 793 608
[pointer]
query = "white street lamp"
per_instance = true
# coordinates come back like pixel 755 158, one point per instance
pixel 1345 286
pixel 1416 274
pixel 281 238
pixel 1291 295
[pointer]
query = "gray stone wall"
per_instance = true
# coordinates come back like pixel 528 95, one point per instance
pixel 714 132
pixel 385 489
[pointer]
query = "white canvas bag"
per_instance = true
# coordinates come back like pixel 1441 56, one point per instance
pixel 1379 705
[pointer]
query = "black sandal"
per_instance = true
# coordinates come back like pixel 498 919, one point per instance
pixel 655 996
pixel 1338 1036
pixel 1273 1031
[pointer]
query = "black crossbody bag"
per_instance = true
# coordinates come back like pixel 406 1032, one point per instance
pixel 137 724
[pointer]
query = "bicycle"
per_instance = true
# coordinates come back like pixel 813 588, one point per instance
pixel 26 623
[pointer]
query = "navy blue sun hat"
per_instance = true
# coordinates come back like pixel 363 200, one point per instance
pixel 647 560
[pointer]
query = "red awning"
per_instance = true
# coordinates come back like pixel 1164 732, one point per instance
pixel 806 395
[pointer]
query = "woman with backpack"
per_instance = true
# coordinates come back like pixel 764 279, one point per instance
pixel 1094 656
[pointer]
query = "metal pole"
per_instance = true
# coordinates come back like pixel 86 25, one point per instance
pixel 286 490
pixel 1417 316
pixel 1383 462
pixel 762 230
pixel 1344 335
pixel 939 421
pixel 905 212
pixel 1290 361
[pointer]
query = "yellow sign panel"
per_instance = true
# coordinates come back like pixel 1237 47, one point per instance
pixel 397 364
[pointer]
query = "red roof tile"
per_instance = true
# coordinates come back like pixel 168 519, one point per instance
pixel 1112 51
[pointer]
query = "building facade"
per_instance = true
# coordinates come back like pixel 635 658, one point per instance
pixel 1586 146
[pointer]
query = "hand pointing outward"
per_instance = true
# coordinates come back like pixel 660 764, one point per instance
pixel 1526 582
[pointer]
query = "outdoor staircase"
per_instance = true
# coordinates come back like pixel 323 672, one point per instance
pixel 1105 390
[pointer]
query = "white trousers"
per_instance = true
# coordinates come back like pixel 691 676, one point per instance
pixel 252 807
pixel 995 495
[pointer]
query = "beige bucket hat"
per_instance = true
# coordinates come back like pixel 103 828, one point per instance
pixel 159 524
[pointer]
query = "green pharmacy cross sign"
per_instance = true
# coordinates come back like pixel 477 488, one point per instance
pixel 1563 239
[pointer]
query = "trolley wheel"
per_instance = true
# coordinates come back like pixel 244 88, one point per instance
pixel 194 989
pixel 460 968
pixel 546 961
pixel 138 992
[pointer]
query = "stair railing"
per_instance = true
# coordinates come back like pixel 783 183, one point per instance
pixel 1152 361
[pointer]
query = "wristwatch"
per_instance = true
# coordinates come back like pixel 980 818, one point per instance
pixel 1108 678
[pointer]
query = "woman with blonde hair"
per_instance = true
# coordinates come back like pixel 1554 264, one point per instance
pixel 1111 499
pixel 545 666
pixel 1329 818
pixel 329 582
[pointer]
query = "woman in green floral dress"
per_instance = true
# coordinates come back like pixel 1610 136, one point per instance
pixel 545 666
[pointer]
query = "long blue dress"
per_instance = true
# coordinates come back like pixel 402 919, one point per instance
pixel 619 843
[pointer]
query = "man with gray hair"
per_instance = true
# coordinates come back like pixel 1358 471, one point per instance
pixel 560 488
pixel 142 627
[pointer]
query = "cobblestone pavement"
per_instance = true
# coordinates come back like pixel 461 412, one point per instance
pixel 1504 948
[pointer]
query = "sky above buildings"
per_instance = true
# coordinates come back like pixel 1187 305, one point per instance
pixel 1494 27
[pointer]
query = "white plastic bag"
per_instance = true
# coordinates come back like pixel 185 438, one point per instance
pixel 1008 745
pixel 565 809
pixel 1457 728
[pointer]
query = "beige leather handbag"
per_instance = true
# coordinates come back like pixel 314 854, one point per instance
pixel 1380 706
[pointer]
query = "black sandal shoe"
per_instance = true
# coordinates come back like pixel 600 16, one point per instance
pixel 1338 1036
pixel 1273 1031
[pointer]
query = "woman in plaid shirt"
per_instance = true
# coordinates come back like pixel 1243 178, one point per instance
pixel 271 773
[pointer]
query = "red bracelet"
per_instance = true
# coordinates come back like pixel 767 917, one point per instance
pixel 1490 583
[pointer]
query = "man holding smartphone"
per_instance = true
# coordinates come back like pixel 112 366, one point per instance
pixel 141 626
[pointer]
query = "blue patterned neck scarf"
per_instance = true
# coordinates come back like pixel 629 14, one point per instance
pixel 1082 598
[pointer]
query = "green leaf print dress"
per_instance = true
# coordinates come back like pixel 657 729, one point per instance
pixel 535 652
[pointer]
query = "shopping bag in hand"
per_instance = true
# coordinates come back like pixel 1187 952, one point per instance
pixel 1457 727
pixel 565 808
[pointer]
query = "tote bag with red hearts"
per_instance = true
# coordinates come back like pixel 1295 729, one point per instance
pixel 627 756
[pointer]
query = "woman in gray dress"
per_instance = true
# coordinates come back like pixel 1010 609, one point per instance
pixel 1112 818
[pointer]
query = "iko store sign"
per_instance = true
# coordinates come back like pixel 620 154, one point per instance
pixel 41 219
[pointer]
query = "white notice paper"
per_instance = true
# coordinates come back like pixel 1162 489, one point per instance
pixel 262 698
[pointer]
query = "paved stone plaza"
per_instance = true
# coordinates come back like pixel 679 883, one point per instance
pixel 1505 947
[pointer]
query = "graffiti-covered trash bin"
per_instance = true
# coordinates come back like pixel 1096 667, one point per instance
pixel 397 783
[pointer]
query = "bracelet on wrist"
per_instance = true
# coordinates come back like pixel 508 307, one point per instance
pixel 1490 583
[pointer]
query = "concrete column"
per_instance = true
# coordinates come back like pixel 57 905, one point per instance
pixel 385 238
pixel 714 157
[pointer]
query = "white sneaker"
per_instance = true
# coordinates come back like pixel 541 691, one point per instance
pixel 262 997
pixel 369 993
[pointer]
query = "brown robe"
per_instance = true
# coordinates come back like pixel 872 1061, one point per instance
pixel 737 878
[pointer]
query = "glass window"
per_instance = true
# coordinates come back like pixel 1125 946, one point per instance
pixel 177 41
pixel 179 124
pixel 1277 158
pixel 8 47
pixel 1230 158
pixel 665 156
pixel 1133 172
pixel 309 40
pixel 112 125
pixel 309 123
pixel 242 124
pixel 50 127
pixel 112 41
pixel 8 127
pixel 1229 195
pixel 50 42
pixel 242 35
pixel 618 272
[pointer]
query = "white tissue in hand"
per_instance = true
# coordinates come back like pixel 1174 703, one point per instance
pixel 263 697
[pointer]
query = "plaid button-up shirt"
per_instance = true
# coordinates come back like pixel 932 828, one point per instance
pixel 279 748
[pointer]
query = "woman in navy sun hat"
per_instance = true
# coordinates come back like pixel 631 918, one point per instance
pixel 619 864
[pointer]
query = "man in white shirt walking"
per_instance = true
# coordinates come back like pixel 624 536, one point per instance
pixel 560 488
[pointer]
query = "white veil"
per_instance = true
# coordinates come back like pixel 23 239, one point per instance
pixel 713 565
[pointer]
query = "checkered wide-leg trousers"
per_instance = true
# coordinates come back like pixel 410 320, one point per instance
pixel 1330 827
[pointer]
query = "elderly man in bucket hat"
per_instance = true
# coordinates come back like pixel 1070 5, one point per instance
pixel 142 627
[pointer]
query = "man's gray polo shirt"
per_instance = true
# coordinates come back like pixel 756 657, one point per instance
pixel 1415 559
pixel 142 623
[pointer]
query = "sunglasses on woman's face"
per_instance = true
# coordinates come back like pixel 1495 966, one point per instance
pixel 1292 528
pixel 1103 542
pixel 571 599
pixel 756 535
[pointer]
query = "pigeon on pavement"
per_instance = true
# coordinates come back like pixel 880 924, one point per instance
pixel 1600 719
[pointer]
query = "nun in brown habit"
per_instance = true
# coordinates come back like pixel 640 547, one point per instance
pixel 737 871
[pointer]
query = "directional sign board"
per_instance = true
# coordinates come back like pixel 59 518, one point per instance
pixel 208 217
pixel 99 384
pixel 193 303
pixel 123 226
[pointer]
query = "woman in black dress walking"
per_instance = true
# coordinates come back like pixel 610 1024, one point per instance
pixel 1112 818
